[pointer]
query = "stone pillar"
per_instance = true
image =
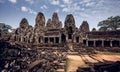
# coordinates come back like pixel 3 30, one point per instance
pixel 21 38
pixel 86 42
pixel 66 37
pixel 41 40
pixel 36 40
pixel 74 40
pixel 111 43
pixel 54 40
pixel 48 40
pixel 59 39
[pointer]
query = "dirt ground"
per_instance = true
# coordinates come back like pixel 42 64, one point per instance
pixel 75 61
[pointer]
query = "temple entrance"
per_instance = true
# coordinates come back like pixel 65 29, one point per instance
pixel 46 40
pixel 84 42
pixel 70 32
pixel 63 38
pixel 98 43
pixel 56 39
pixel 106 43
pixel 91 43
pixel 51 40
pixel 115 43
pixel 77 39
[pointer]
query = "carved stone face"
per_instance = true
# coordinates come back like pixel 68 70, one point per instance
pixel 84 27
pixel 24 23
pixel 40 19
pixel 70 22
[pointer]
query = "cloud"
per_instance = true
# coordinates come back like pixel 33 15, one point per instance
pixel 86 1
pixel 13 1
pixel 57 10
pixel 62 5
pixel 44 7
pixel 29 10
pixel 67 1
pixel 30 1
pixel 24 9
pixel 54 2
pixel 71 8
pixel 90 4
pixel 67 10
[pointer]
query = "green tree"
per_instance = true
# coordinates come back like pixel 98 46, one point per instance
pixel 112 23
pixel 4 28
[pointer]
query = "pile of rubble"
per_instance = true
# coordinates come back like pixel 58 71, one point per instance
pixel 14 58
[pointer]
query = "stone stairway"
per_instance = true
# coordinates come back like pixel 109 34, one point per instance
pixel 61 67
pixel 70 45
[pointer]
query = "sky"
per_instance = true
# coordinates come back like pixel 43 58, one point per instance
pixel 92 11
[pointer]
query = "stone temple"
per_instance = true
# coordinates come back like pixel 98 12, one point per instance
pixel 52 34
pixel 46 47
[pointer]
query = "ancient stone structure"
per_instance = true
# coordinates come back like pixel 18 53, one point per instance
pixel 52 33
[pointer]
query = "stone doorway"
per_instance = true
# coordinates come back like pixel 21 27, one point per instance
pixel 70 32
pixel 63 38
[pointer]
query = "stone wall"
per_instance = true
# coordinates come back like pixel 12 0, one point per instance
pixel 52 33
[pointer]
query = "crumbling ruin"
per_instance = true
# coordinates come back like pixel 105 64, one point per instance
pixel 52 33
pixel 44 47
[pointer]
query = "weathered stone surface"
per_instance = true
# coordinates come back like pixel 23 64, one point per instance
pixel 55 18
pixel 24 23
pixel 54 23
pixel 23 32
pixel 94 29
pixel 40 23
pixel 69 22
pixel 84 27
pixel 49 24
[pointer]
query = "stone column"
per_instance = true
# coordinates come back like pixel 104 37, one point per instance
pixel 54 40
pixel 48 40
pixel 66 37
pixel 21 39
pixel 111 43
pixel 74 40
pixel 59 39
pixel 86 42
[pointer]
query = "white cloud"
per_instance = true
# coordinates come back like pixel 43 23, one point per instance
pixel 13 1
pixel 67 1
pixel 62 5
pixel 71 8
pixel 24 9
pixel 29 10
pixel 54 2
pixel 44 7
pixel 86 1
pixel 57 10
pixel 90 4
pixel 30 1
pixel 66 10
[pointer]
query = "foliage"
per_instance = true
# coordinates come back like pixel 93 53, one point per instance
pixel 112 23
pixel 4 28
